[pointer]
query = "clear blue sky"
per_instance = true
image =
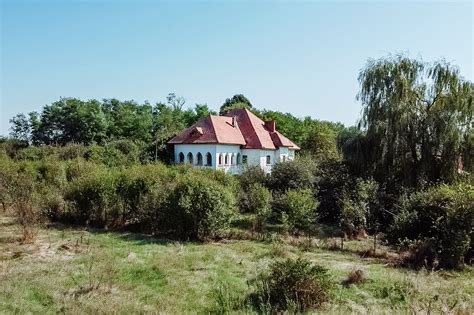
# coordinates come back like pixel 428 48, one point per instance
pixel 298 57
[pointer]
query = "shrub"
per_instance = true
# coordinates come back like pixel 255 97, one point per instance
pixel 355 276
pixel 252 175
pixel 298 208
pixel 257 199
pixel 199 208
pixel 443 216
pixel 331 178
pixel 293 284
pixel 115 153
pixel 21 190
pixel 297 174
pixel 355 206
pixel 144 190
pixel 92 198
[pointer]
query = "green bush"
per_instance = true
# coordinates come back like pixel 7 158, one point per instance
pixel 92 198
pixel 331 178
pixel 199 208
pixel 257 199
pixel 442 215
pixel 252 175
pixel 298 209
pixel 144 190
pixel 116 153
pixel 295 285
pixel 297 174
pixel 355 206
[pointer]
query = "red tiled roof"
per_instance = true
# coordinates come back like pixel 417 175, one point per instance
pixel 212 129
pixel 249 131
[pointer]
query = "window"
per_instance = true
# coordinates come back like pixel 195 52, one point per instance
pixel 244 159
pixel 208 159
pixel 226 159
pixel 181 157
pixel 232 159
pixel 220 159
pixel 284 158
pixel 190 158
pixel 238 158
pixel 199 158
pixel 269 160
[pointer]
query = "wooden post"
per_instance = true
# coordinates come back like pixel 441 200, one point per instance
pixel 375 243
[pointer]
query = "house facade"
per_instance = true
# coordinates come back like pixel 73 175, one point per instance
pixel 231 142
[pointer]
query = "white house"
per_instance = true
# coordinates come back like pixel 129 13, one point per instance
pixel 232 141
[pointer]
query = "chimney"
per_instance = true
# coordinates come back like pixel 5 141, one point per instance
pixel 270 125
pixel 234 121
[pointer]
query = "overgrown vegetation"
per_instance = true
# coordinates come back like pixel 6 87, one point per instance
pixel 294 284
pixel 405 177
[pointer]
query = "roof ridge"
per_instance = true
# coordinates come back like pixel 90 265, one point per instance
pixel 212 126
pixel 246 111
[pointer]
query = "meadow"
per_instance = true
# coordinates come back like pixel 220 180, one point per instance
pixel 78 270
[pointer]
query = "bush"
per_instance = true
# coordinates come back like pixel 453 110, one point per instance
pixel 92 198
pixel 257 199
pixel 298 209
pixel 355 206
pixel 144 190
pixel 252 175
pixel 331 178
pixel 442 216
pixel 199 208
pixel 355 276
pixel 295 285
pixel 297 174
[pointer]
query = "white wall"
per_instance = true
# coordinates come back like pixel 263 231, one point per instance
pixel 195 149
pixel 216 150
pixel 233 153
pixel 259 157
pixel 254 156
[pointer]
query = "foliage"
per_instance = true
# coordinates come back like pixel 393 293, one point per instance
pixel 321 142
pixel 443 216
pixel 252 174
pixel 92 198
pixel 199 208
pixel 415 115
pixel 298 208
pixel 256 199
pixel 295 285
pixel 355 206
pixel 331 178
pixel 296 174
pixel 236 101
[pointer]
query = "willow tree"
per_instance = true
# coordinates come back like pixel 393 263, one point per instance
pixel 416 116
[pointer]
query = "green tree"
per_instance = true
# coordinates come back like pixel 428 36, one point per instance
pixel 321 142
pixel 415 115
pixel 20 128
pixel 231 102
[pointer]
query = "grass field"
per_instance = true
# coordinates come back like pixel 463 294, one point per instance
pixel 77 271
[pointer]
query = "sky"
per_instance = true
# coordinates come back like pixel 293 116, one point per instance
pixel 298 57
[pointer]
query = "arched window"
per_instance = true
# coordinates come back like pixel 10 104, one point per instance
pixel 208 159
pixel 190 158
pixel 181 157
pixel 220 159
pixel 232 159
pixel 238 158
pixel 226 159
pixel 199 158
